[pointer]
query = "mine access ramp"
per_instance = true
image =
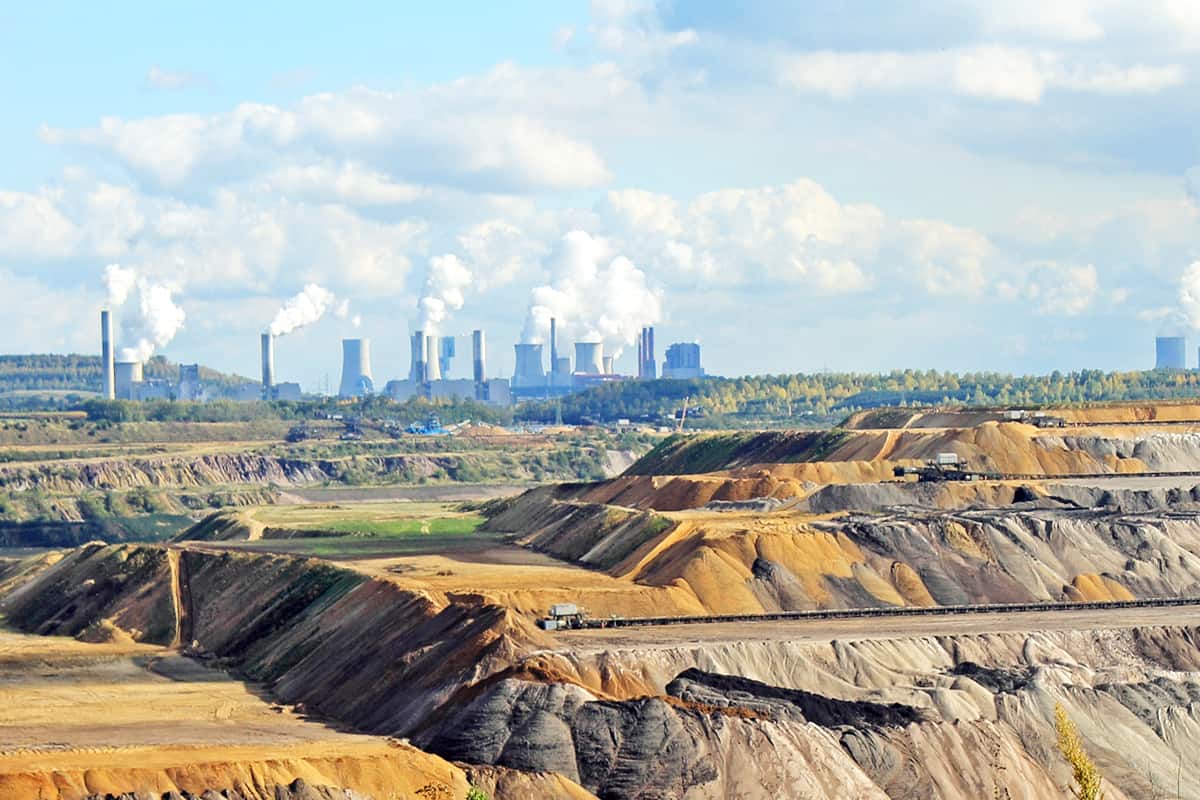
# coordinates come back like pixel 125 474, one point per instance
pixel 581 621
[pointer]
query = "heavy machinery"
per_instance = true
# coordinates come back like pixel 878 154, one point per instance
pixel 946 467
pixel 562 616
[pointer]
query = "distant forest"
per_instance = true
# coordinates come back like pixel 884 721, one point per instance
pixel 81 373
pixel 764 401
pixel 826 397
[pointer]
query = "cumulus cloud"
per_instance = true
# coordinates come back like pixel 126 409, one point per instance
pixel 795 235
pixel 1060 290
pixel 999 72
pixel 435 136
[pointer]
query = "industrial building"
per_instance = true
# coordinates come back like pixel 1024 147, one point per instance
pixel 431 361
pixel 1170 352
pixel 683 361
pixel 645 355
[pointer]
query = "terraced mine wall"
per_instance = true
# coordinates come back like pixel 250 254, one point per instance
pixel 841 456
pixel 908 717
pixel 207 470
pixel 1142 544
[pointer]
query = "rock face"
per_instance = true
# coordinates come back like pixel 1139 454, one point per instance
pixel 947 717
pixel 296 790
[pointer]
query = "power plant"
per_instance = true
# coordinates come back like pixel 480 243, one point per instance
pixel 429 373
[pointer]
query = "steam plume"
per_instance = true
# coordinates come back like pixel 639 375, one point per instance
pixel 304 309
pixel 592 301
pixel 1189 294
pixel 443 292
pixel 155 319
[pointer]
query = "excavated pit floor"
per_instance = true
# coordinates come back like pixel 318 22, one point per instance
pixel 69 705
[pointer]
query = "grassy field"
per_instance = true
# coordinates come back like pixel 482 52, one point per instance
pixel 369 530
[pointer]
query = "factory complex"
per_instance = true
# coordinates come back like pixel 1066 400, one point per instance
pixel 432 356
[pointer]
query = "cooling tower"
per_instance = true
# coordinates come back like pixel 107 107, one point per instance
pixel 608 366
pixel 478 356
pixel 1170 352
pixel 106 354
pixel 529 370
pixel 589 358
pixel 433 368
pixel 268 364
pixel 125 375
pixel 356 368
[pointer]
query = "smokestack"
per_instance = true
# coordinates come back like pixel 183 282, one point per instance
pixel 433 369
pixel 106 355
pixel 608 365
pixel 651 364
pixel 589 358
pixel 553 344
pixel 641 358
pixel 268 364
pixel 356 368
pixel 416 373
pixel 478 354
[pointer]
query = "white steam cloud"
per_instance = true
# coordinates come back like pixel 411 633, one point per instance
pixel 591 300
pixel 154 319
pixel 1189 294
pixel 119 282
pixel 304 309
pixel 443 292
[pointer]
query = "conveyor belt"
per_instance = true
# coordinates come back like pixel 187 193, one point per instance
pixel 893 611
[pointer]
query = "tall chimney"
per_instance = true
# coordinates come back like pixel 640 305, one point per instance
pixel 416 372
pixel 651 364
pixel 553 345
pixel 641 358
pixel 268 364
pixel 106 355
pixel 478 355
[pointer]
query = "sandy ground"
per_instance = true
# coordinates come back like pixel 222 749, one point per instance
pixel 69 705
pixel 671 636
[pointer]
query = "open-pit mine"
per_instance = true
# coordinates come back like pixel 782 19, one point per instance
pixel 521 646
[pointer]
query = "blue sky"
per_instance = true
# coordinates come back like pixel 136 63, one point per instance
pixel 798 187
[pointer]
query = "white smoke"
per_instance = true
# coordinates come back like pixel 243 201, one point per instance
pixel 1189 294
pixel 119 282
pixel 592 301
pixel 356 320
pixel 304 309
pixel 154 319
pixel 443 292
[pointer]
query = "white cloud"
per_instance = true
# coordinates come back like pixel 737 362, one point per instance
pixel 999 72
pixel 167 80
pixel 1059 290
pixel 33 226
pixel 436 136
pixel 349 182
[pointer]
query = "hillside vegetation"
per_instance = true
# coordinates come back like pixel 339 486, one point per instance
pixel 818 400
